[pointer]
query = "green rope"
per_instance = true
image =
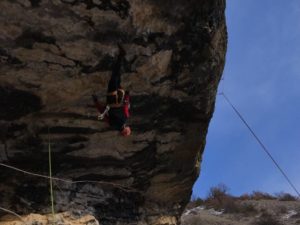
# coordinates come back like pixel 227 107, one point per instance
pixel 50 177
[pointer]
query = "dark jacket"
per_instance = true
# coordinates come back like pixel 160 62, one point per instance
pixel 117 118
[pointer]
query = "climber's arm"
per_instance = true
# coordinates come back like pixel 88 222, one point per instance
pixel 102 115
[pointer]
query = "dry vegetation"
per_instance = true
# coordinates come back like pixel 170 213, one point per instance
pixel 257 208
pixel 267 219
pixel 220 199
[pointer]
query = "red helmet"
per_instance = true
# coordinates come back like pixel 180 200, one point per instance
pixel 126 131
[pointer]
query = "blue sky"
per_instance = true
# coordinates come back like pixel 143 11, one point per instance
pixel 261 77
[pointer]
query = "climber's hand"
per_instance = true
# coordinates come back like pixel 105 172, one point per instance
pixel 101 116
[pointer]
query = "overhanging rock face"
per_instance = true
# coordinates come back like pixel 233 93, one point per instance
pixel 55 54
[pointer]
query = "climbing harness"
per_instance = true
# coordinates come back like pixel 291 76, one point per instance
pixel 115 98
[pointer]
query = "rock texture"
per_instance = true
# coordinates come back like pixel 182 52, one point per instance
pixel 62 218
pixel 56 53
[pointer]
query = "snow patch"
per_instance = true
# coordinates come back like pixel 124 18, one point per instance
pixel 197 210
pixel 289 214
pixel 216 213
pixel 194 211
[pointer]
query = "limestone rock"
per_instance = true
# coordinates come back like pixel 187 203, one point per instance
pixel 55 53
pixel 60 219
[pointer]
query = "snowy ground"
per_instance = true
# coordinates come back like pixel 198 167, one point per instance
pixel 285 212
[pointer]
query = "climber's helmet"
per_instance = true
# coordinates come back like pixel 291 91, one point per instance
pixel 126 131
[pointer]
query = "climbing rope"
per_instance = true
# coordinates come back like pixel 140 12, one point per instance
pixel 13 213
pixel 50 177
pixel 261 143
pixel 121 187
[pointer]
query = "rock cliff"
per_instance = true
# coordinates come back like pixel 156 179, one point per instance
pixel 56 53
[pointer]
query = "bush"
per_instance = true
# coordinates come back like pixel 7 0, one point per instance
pixel 244 197
pixel 195 202
pixel 247 209
pixel 219 199
pixel 218 192
pixel 267 219
pixel 285 197
pixel 282 209
pixel 257 195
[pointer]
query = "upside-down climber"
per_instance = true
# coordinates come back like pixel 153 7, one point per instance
pixel 117 107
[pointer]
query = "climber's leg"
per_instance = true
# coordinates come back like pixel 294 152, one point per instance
pixel 115 80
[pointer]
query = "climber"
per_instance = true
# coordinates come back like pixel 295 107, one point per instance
pixel 117 107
